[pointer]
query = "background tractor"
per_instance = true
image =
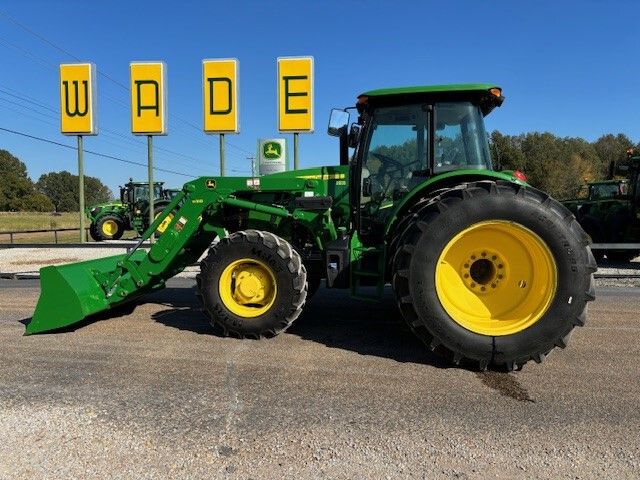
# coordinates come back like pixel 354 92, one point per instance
pixel 110 220
pixel 486 270
pixel 608 211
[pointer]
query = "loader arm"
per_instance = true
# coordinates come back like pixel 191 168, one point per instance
pixel 70 293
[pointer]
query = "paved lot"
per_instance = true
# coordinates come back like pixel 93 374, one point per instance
pixel 346 393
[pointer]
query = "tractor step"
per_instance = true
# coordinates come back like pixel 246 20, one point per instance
pixel 367 263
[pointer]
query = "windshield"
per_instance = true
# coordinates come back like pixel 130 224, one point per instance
pixel 461 140
pixel 142 192
pixel 607 190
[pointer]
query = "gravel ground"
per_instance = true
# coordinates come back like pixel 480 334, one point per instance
pixel 155 394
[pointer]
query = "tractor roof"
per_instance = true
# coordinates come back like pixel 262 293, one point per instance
pixel 458 87
pixel 488 95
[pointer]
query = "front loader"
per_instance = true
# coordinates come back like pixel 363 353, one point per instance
pixel 486 270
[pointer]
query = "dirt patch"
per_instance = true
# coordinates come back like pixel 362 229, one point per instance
pixel 505 384
pixel 51 261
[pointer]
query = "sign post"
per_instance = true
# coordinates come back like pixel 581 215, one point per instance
pixel 149 111
pixel 77 116
pixel 220 99
pixel 295 98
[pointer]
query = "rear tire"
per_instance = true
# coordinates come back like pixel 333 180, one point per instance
pixel 533 241
pixel 252 284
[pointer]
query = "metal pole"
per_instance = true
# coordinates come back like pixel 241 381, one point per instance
pixel 295 150
pixel 150 174
pixel 80 188
pixel 253 166
pixel 222 154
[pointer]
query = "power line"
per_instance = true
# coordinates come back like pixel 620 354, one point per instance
pixel 108 132
pixel 100 72
pixel 91 152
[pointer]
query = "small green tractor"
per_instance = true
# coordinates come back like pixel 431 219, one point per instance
pixel 486 270
pixel 609 210
pixel 109 221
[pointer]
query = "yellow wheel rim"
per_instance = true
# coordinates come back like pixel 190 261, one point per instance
pixel 110 228
pixel 247 287
pixel 165 223
pixel 496 278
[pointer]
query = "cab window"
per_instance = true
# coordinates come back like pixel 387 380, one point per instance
pixel 397 149
pixel 461 141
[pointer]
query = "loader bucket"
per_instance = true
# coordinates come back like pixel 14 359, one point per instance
pixel 70 293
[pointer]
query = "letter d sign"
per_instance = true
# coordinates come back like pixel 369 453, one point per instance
pixel 220 95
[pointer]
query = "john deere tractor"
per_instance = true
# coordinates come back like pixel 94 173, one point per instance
pixel 485 269
pixel 110 220
pixel 610 210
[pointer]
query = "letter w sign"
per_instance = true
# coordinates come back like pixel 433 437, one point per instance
pixel 78 99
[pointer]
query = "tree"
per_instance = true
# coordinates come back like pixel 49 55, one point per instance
pixel 506 152
pixel 63 190
pixel 559 166
pixel 611 148
pixel 17 191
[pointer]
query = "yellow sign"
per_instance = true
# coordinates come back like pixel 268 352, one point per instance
pixel 78 99
pixel 220 95
pixel 148 98
pixel 295 94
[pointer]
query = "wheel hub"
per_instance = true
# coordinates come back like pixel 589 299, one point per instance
pixel 496 278
pixel 250 286
pixel 109 227
pixel 247 287
pixel 483 270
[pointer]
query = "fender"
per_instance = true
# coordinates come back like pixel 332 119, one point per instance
pixel 444 180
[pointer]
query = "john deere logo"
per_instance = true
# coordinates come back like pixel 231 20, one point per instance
pixel 211 183
pixel 271 150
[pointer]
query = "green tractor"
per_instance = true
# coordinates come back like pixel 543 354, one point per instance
pixel 608 210
pixel 109 221
pixel 486 270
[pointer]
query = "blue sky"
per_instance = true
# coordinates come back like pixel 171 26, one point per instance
pixel 567 67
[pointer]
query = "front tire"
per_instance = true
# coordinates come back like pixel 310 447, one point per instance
pixel 493 274
pixel 108 227
pixel 252 284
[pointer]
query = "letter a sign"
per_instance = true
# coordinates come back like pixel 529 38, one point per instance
pixel 78 99
pixel 220 95
pixel 148 98
pixel 295 94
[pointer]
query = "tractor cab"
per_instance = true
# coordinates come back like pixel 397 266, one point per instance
pixel 406 136
pixel 134 192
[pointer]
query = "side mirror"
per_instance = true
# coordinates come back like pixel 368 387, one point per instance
pixel 130 196
pixel 338 122
pixel 354 135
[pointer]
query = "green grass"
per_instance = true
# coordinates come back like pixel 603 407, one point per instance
pixel 14 221
pixel 20 221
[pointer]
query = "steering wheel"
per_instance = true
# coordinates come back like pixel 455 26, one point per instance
pixel 388 161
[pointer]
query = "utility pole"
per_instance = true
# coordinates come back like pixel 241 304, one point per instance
pixel 253 166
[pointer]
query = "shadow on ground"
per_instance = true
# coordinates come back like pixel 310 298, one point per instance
pixel 331 318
